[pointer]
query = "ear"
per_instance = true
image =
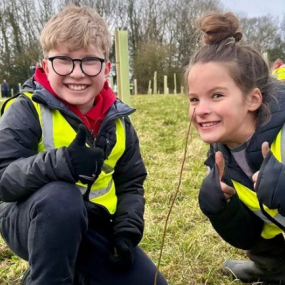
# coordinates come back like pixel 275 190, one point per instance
pixel 254 99
pixel 45 66
pixel 107 68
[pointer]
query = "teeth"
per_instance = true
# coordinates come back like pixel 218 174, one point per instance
pixel 77 87
pixel 209 124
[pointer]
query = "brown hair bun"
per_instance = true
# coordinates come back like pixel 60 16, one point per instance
pixel 220 26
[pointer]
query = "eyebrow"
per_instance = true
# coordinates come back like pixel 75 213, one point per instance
pixel 211 90
pixel 67 55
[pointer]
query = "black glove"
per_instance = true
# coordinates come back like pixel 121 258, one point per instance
pixel 123 257
pixel 270 183
pixel 211 197
pixel 86 161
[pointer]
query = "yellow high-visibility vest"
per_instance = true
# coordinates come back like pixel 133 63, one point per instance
pixel 249 197
pixel 279 73
pixel 57 132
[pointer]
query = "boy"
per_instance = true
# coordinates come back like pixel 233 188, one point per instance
pixel 70 165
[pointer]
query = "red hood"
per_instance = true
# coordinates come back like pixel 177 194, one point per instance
pixel 102 102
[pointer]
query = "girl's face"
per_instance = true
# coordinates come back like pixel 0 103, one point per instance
pixel 222 112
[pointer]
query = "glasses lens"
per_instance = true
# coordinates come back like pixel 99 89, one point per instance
pixel 62 65
pixel 91 66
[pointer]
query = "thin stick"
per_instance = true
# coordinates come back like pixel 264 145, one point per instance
pixel 173 201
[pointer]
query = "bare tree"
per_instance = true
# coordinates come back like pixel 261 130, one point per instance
pixel 260 31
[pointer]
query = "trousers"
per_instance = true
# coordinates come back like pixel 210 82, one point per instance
pixel 53 231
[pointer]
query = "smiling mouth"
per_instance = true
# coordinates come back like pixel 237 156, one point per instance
pixel 76 87
pixel 209 124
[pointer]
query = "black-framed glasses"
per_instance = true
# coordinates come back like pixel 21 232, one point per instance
pixel 64 65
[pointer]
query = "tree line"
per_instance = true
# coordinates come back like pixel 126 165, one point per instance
pixel 162 34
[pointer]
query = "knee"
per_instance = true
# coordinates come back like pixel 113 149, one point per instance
pixel 63 199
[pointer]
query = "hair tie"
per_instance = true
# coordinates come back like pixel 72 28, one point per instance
pixel 230 40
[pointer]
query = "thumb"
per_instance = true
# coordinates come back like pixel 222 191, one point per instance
pixel 220 164
pixel 81 136
pixel 265 149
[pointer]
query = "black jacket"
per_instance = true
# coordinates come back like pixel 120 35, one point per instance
pixel 234 222
pixel 23 171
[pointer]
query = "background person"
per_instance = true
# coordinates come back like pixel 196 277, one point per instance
pixel 5 89
pixel 278 70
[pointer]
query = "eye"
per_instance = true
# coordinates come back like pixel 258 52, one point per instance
pixel 63 59
pixel 91 61
pixel 193 100
pixel 217 95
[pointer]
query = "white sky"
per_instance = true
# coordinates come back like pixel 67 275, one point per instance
pixel 255 8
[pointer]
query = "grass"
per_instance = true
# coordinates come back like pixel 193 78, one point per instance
pixel 193 252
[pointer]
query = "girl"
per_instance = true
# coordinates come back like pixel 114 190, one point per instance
pixel 240 111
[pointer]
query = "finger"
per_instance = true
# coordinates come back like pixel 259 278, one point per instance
pixel 228 190
pixel 255 176
pixel 81 136
pixel 265 149
pixel 220 164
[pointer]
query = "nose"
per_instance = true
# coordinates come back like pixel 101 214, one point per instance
pixel 77 72
pixel 203 108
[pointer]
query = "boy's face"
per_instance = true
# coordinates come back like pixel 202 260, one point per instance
pixel 76 88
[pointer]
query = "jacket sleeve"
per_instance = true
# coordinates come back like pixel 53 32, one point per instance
pixel 232 220
pixel 270 185
pixel 22 169
pixel 129 176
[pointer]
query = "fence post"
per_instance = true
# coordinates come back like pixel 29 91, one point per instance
pixel 122 65
pixel 136 87
pixel 155 83
pixel 149 87
pixel 175 90
pixel 165 85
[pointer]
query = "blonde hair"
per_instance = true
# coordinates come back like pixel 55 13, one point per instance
pixel 76 28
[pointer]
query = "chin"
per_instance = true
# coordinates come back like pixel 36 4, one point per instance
pixel 211 140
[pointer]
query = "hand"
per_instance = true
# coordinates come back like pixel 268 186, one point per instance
pixel 86 161
pixel 227 190
pixel 123 257
pixel 265 150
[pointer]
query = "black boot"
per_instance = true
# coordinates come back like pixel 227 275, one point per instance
pixel 248 272
pixel 267 263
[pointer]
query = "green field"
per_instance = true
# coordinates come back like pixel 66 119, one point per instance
pixel 193 252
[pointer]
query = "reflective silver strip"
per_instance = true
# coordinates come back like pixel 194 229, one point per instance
pixel 96 193
pixel 100 192
pixel 283 144
pixel 47 128
pixel 280 219
pixel 82 189
pixel 123 123
pixel 107 169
